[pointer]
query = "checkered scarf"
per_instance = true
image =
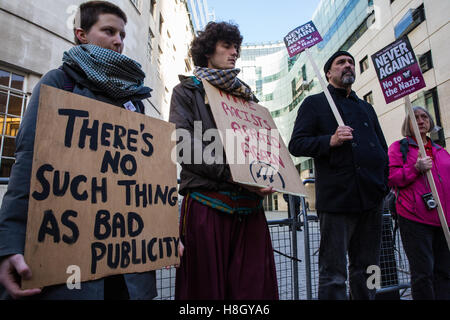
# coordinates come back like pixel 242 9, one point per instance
pixel 113 73
pixel 226 80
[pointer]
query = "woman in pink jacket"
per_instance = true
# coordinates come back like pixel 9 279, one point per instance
pixel 420 228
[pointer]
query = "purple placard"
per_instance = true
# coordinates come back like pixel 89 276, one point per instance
pixel 397 70
pixel 301 38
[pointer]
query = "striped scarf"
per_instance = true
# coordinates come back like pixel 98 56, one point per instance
pixel 113 73
pixel 229 202
pixel 226 80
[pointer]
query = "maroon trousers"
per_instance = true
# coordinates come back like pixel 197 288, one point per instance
pixel 226 257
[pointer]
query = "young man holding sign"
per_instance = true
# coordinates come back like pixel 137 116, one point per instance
pixel 95 68
pixel 351 179
pixel 227 246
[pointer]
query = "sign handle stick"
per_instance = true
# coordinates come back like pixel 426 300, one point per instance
pixel 429 174
pixel 336 113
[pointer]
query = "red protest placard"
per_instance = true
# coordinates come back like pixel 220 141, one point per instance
pixel 301 38
pixel 397 70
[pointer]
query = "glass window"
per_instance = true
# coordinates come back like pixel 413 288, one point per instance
pixel 364 64
pixel 268 97
pixel 304 77
pixel 15 105
pixel 4 78
pixel 307 165
pixel 425 61
pixel 369 98
pixel 258 87
pixel 12 104
pixel 17 81
pixel 161 21
pixel 11 127
pixel 9 146
pixel 3 101
pixel 137 4
pixel 152 7
pixel 409 21
pixel 291 61
pixel 294 88
pixel 258 72
pixel 429 99
pixel 362 28
pixel 5 169
pixel 149 44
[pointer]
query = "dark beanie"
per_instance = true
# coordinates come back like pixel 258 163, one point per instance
pixel 328 64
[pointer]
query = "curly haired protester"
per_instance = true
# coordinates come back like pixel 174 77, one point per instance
pixel 94 68
pixel 420 228
pixel 227 250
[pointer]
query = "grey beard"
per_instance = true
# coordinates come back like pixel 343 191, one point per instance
pixel 348 79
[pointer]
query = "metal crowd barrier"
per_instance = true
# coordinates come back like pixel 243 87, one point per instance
pixel 297 255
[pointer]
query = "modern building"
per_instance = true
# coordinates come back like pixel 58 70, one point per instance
pixel 169 36
pixel 427 25
pixel 38 32
pixel 200 13
pixel 361 27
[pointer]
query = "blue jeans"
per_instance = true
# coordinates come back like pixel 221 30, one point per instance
pixel 429 259
pixel 359 235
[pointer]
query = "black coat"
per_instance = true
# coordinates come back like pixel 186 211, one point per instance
pixel 351 177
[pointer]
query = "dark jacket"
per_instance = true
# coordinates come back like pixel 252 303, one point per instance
pixel 14 209
pixel 188 106
pixel 352 177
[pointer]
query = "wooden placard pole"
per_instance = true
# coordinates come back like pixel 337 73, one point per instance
pixel 333 107
pixel 429 174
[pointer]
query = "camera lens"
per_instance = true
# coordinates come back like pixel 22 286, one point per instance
pixel 431 203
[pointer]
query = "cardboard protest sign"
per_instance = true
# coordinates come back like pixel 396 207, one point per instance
pixel 103 193
pixel 254 149
pixel 397 70
pixel 301 38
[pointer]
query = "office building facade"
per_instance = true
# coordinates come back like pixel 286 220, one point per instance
pixel 361 27
pixel 200 13
pixel 426 23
